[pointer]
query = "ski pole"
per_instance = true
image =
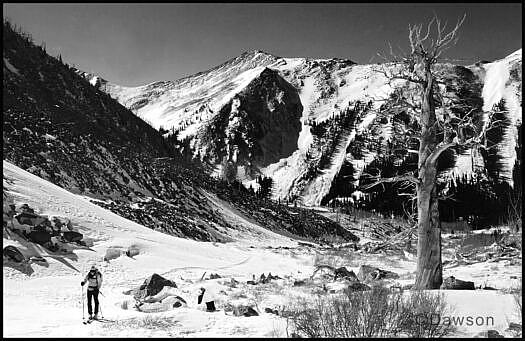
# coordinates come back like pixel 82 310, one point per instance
pixel 100 307
pixel 82 289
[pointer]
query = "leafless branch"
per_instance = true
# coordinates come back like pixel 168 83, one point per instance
pixel 408 177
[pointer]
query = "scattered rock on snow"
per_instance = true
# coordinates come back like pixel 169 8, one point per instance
pixel 72 236
pixel 299 282
pixel 515 327
pixel 370 273
pixel 168 303
pixel 12 253
pixel 245 311
pixel 271 311
pixel 356 286
pixel 152 286
pixel 132 251
pixel 451 283
pixel 343 272
pixel 112 253
pixel 490 334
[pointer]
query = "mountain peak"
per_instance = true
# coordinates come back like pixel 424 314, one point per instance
pixel 256 52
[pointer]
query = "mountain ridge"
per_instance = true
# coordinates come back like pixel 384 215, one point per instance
pixel 63 129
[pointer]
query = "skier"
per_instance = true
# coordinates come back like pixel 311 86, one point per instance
pixel 94 280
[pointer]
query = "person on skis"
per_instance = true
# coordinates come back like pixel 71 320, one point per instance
pixel 94 280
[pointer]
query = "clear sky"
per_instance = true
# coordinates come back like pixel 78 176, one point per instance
pixel 135 44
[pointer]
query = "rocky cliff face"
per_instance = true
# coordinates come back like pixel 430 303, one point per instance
pixel 257 127
pixel 346 122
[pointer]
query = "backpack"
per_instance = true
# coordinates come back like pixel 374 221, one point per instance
pixel 96 276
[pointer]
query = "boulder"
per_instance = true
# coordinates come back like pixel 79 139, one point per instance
pixel 516 327
pixel 72 236
pixel 243 310
pixel 249 311
pixel 152 286
pixel 343 272
pixel 271 311
pixel 40 237
pixel 452 283
pixel 112 253
pixel 299 283
pixel 132 251
pixel 168 303
pixel 272 277
pixel 371 273
pixel 215 276
pixel 492 333
pixel 12 252
pixel 30 219
pixel 356 286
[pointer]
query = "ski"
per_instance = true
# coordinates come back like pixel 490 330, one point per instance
pixel 99 320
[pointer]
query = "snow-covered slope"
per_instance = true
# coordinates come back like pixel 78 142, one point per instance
pixel 326 88
pixel 503 81
pixel 47 299
pixel 53 291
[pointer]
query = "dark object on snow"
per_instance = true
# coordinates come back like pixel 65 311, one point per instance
pixel 249 311
pixel 271 311
pixel 271 277
pixel 253 281
pixel 513 326
pixel 370 273
pixel 199 299
pixel 152 286
pixel 210 306
pixel 40 237
pixel 299 282
pixel 489 288
pixel 343 272
pixel 452 283
pixel 244 310
pixel 132 251
pixel 492 333
pixel 31 219
pixel 26 208
pixel 72 236
pixel 356 286
pixel 215 276
pixel 13 253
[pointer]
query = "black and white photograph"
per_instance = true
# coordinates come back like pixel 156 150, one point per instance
pixel 262 170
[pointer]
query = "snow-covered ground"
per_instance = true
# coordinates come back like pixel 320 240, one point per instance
pixel 47 300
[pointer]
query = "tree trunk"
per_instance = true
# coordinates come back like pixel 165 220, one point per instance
pixel 429 273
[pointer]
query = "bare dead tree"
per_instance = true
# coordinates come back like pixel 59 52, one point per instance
pixel 455 124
